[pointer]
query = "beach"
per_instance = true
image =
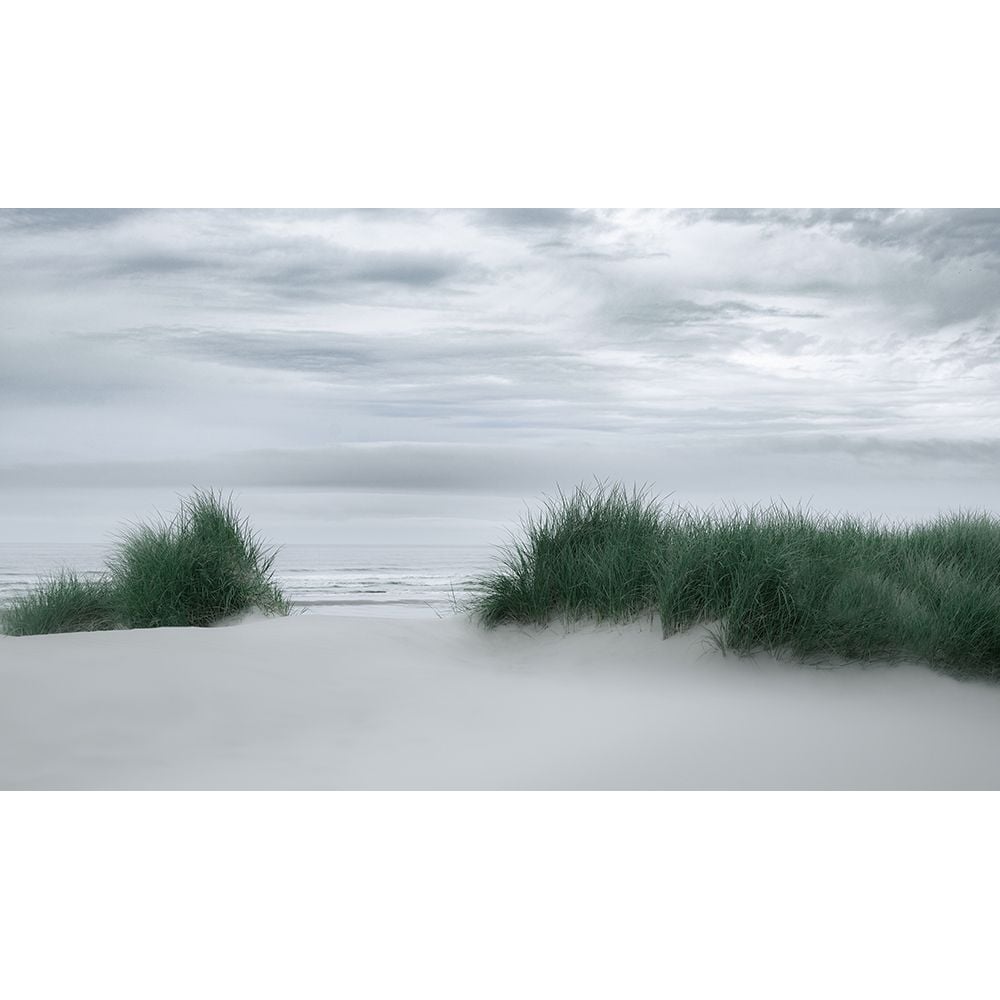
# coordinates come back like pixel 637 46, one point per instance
pixel 362 702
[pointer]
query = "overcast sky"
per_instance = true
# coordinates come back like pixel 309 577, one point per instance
pixel 417 374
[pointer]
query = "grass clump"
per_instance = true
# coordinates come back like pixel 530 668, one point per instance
pixel 202 566
pixel 64 603
pixel 591 554
pixel 779 580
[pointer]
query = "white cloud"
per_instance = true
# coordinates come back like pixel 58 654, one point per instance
pixel 497 352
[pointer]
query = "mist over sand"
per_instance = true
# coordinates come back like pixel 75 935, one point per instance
pixel 310 702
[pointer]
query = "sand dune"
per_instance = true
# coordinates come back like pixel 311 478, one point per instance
pixel 315 702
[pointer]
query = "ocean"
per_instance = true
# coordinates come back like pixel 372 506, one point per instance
pixel 399 581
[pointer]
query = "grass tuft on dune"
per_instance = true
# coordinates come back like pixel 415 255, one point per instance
pixel 204 565
pixel 64 603
pixel 813 588
pixel 200 567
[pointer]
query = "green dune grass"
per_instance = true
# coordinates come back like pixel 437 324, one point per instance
pixel 64 603
pixel 814 588
pixel 203 565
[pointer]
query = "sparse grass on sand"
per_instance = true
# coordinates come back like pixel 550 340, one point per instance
pixel 813 588
pixel 204 565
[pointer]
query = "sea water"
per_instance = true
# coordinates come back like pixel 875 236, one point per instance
pixel 382 580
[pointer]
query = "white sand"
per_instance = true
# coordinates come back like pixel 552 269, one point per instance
pixel 327 703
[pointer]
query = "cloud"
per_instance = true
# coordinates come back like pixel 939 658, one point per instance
pixel 415 270
pixel 285 270
pixel 558 219
pixel 919 454
pixel 770 460
pixel 386 466
pixel 683 312
pixel 228 260
pixel 305 351
pixel 147 265
pixel 369 349
pixel 60 219
pixel 939 234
